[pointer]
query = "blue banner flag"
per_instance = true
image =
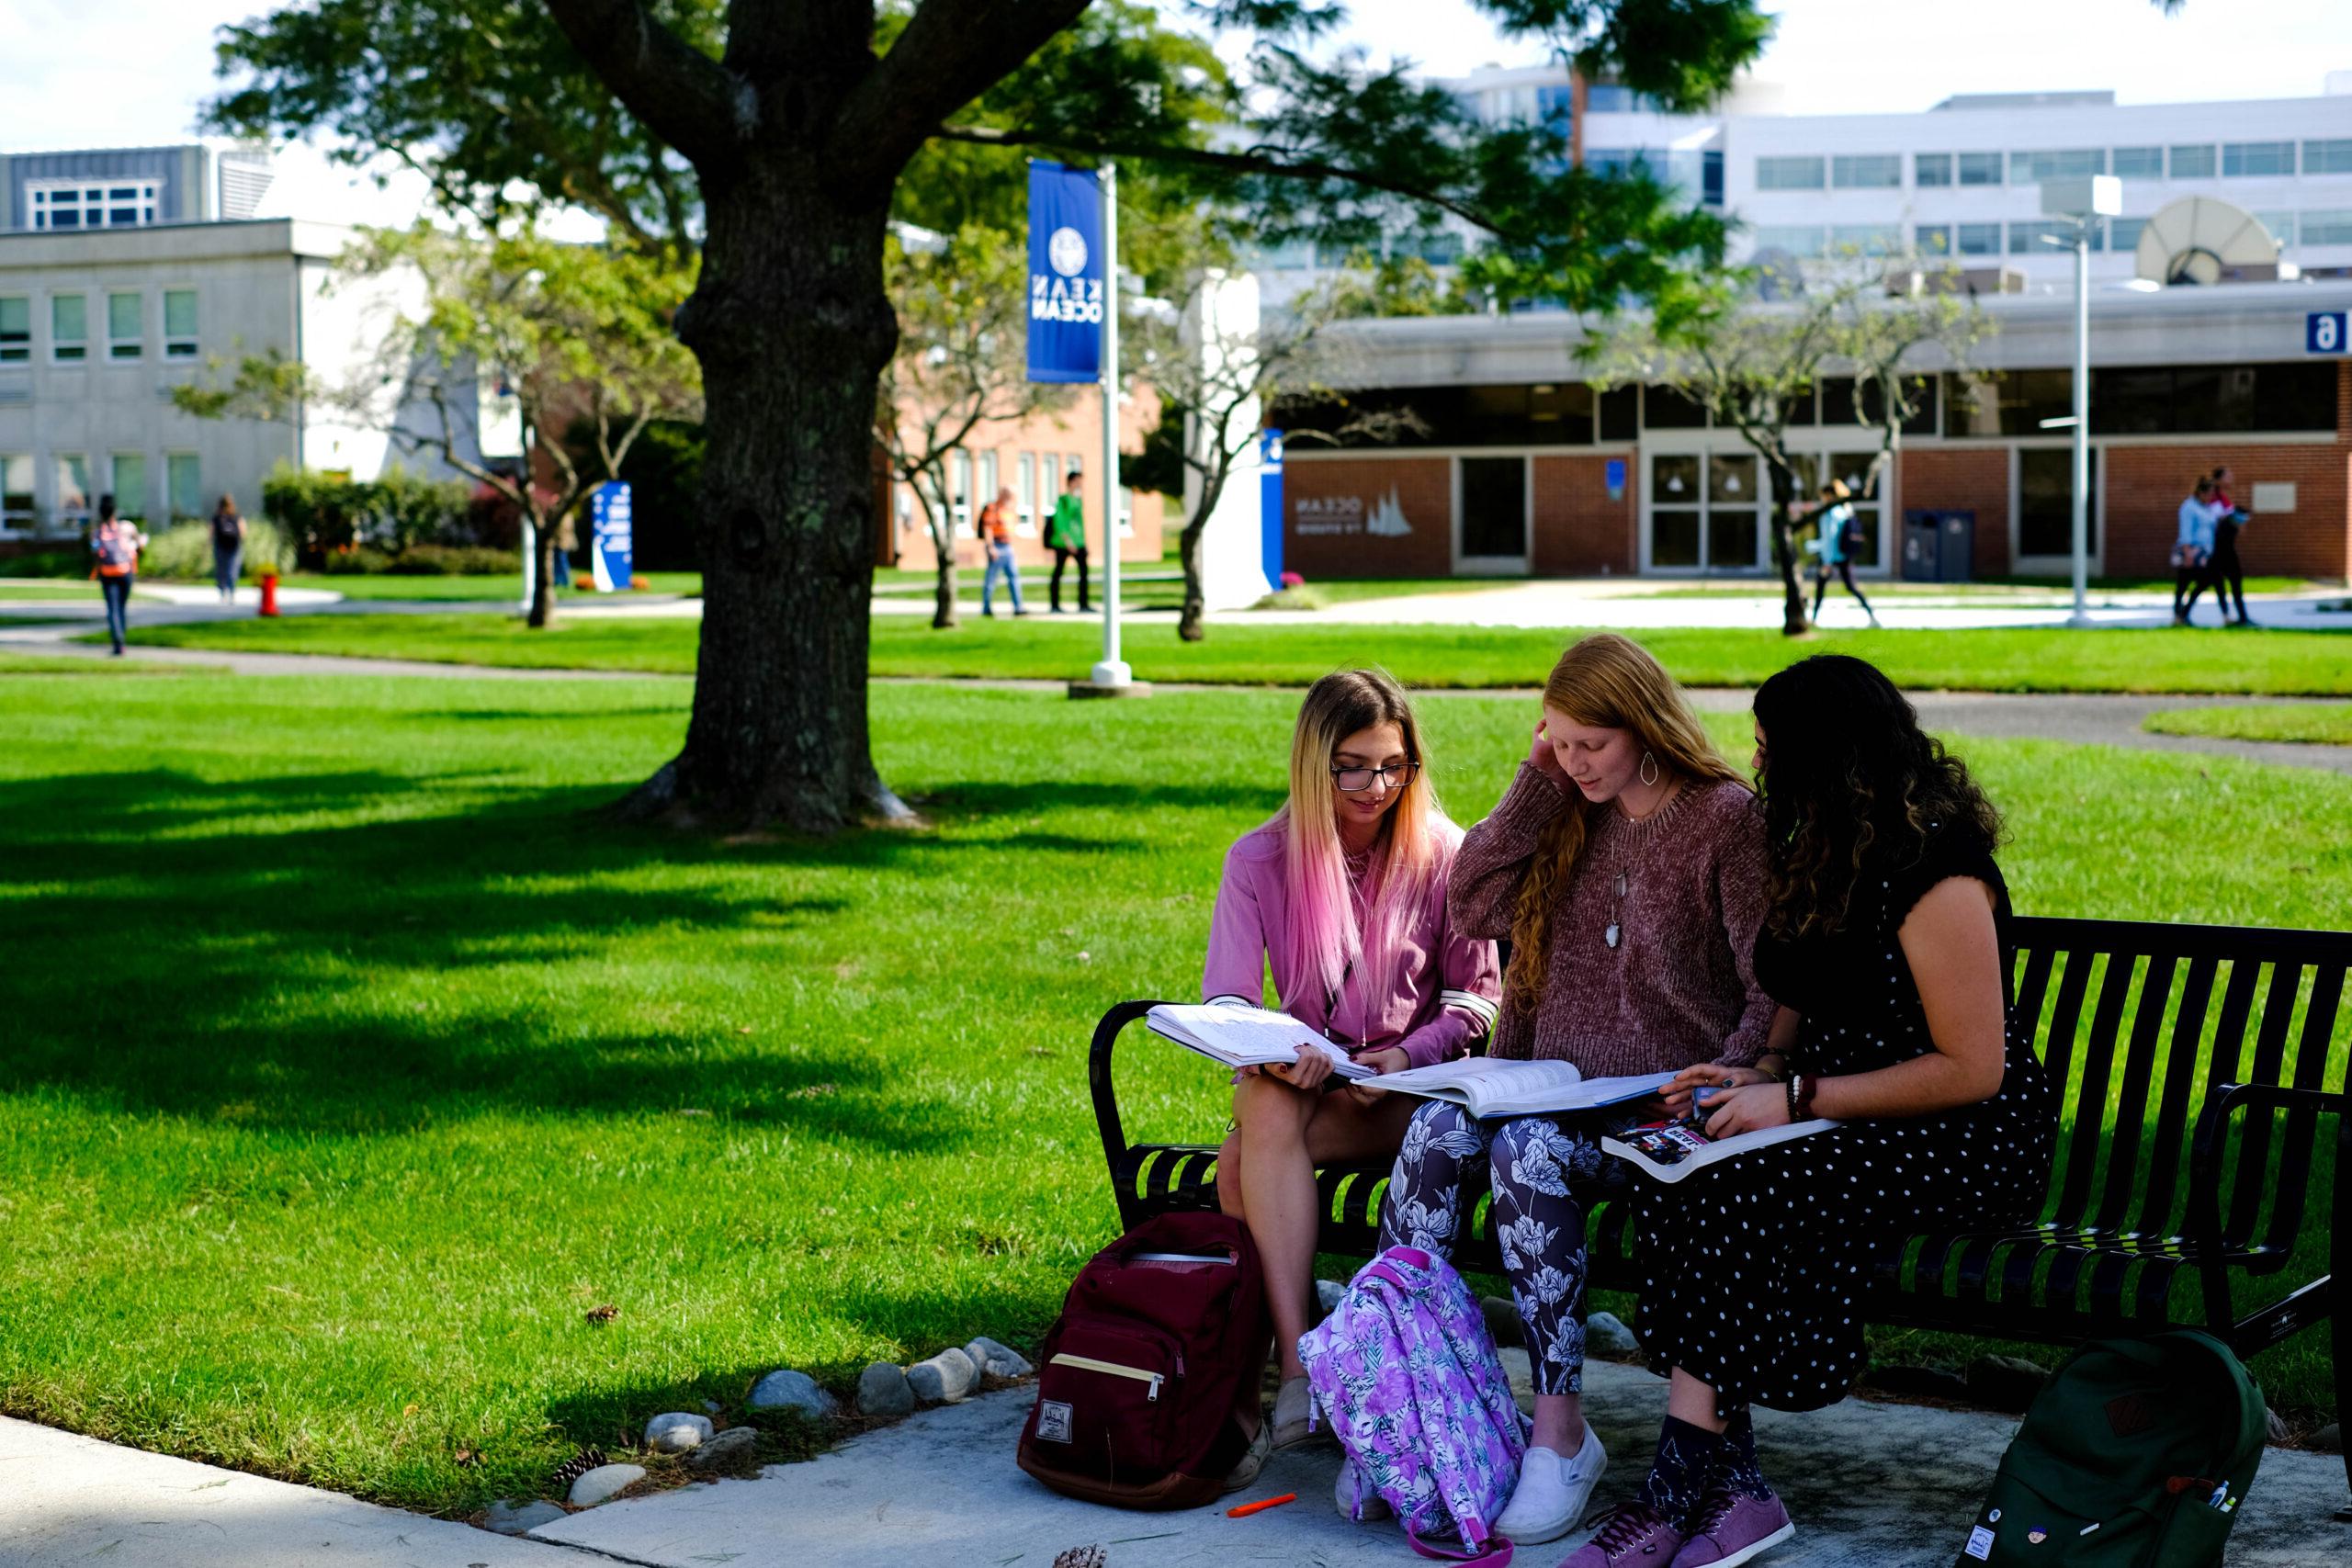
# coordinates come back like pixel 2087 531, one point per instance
pixel 1065 273
pixel 608 509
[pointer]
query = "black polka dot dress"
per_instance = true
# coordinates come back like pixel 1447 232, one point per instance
pixel 1753 1270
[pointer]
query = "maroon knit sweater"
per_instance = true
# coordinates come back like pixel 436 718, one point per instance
pixel 1680 986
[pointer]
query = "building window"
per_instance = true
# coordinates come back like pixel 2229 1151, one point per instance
pixel 16 491
pixel 2032 168
pixel 2046 502
pixel 2140 163
pixel 959 493
pixel 1788 174
pixel 1663 408
pixel 180 323
pixel 2245 159
pixel 15 329
pixel 69 327
pixel 2328 157
pixel 185 482
pixel 1980 168
pixel 1711 177
pixel 1931 168
pixel 2280 226
pixel 2123 234
pixel 1800 240
pixel 2190 163
pixel 2026 239
pixel 1024 490
pixel 73 489
pixel 2319 228
pixel 1865 239
pixel 1555 108
pixel 129 480
pixel 987 487
pixel 1866 171
pixel 126 326
pixel 1979 240
pixel 1932 239
pixel 71 204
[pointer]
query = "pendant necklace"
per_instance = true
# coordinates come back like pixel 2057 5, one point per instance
pixel 1615 934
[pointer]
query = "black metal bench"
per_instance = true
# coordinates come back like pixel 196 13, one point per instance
pixel 2193 1065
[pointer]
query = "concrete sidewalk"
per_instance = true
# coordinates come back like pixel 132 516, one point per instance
pixel 1871 1487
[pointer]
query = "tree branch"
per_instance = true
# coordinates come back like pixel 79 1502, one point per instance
pixel 684 96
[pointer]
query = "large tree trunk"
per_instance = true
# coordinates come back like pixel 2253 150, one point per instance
pixel 793 329
pixel 543 583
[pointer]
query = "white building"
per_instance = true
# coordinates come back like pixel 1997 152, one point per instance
pixel 125 272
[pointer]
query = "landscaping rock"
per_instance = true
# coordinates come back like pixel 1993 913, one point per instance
pixel 1607 1337
pixel 1502 1321
pixel 509 1517
pixel 711 1408
pixel 675 1432
pixel 2329 1439
pixel 997 1360
pixel 734 1449
pixel 2276 1428
pixel 1326 1295
pixel 944 1378
pixel 2006 1382
pixel 883 1390
pixel 789 1389
pixel 1917 1382
pixel 1521 1370
pixel 604 1480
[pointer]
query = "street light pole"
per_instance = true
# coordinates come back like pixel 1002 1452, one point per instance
pixel 2082 486
pixel 1113 671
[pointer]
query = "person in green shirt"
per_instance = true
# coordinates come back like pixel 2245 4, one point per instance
pixel 1066 536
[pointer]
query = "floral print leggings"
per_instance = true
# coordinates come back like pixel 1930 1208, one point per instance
pixel 1543 1177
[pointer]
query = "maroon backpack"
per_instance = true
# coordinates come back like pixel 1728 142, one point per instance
pixel 1138 1381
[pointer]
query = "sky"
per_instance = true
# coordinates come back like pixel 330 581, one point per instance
pixel 61 87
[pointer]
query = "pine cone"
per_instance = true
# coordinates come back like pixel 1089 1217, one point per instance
pixel 1083 1557
pixel 575 1467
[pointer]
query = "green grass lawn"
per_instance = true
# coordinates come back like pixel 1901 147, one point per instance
pixel 63 588
pixel 386 585
pixel 352 1059
pixel 2319 723
pixel 2032 660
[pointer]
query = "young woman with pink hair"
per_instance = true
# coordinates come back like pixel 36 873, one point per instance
pixel 1342 894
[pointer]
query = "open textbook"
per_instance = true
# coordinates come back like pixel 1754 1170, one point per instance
pixel 1493 1085
pixel 1242 1036
pixel 1668 1151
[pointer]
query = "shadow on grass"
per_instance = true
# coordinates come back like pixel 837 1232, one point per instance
pixel 214 950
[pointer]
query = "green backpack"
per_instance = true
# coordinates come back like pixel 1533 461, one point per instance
pixel 2138 1455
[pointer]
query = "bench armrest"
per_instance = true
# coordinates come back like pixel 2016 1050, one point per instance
pixel 2205 1186
pixel 1106 1098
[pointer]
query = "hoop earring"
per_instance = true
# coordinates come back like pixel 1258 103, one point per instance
pixel 1649 774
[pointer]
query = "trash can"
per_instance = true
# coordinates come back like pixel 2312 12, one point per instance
pixel 1939 546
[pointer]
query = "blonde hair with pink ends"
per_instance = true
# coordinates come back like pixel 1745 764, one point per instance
pixel 1324 934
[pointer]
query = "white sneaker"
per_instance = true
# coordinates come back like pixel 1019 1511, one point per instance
pixel 1354 1497
pixel 1553 1493
pixel 1253 1459
pixel 1294 1410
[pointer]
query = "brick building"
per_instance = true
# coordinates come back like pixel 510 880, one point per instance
pixel 1524 471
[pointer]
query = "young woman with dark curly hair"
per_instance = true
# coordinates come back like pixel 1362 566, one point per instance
pixel 1884 944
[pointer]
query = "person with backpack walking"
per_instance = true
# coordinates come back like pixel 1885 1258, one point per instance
pixel 116 542
pixel 1066 536
pixel 995 537
pixel 2229 578
pixel 1883 945
pixel 1626 865
pixel 1840 538
pixel 1342 894
pixel 2192 552
pixel 228 547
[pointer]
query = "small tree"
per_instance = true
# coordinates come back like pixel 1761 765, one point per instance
pixel 1749 363
pixel 961 362
pixel 580 333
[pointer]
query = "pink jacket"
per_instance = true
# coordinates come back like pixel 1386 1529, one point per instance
pixel 1447 982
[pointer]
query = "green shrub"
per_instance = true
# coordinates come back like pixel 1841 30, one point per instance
pixel 454 561
pixel 357 561
pixel 184 551
pixel 71 561
pixel 326 514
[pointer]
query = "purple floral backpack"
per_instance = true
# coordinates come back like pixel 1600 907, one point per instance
pixel 1418 1397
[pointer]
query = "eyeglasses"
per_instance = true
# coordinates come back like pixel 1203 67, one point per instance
pixel 1355 780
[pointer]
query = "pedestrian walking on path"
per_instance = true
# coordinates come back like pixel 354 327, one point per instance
pixel 117 542
pixel 2192 552
pixel 1841 536
pixel 228 546
pixel 1066 536
pixel 995 537
pixel 2229 580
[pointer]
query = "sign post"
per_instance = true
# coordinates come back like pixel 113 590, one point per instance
pixel 609 553
pixel 1270 508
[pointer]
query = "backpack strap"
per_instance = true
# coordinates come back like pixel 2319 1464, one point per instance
pixel 1496 1555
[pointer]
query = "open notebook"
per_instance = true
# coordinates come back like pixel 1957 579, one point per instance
pixel 1489 1085
pixel 1243 1036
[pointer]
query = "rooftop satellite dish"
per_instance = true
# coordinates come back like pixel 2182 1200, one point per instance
pixel 2199 240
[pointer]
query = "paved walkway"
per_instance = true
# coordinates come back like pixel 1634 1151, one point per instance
pixel 1871 1486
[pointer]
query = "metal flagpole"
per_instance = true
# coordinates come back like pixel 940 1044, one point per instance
pixel 1113 671
pixel 2081 617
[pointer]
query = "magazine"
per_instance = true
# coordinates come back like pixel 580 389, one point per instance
pixel 1668 1151
pixel 1243 1036
pixel 1493 1085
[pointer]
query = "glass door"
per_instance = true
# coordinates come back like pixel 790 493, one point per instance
pixel 1706 512
pixel 1814 470
pixel 2045 509
pixel 1490 511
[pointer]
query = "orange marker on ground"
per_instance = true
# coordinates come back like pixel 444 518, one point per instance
pixel 1247 1509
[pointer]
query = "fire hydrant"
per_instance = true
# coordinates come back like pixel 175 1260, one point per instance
pixel 269 593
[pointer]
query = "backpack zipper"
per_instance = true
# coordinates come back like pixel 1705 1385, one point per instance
pixel 1088 1363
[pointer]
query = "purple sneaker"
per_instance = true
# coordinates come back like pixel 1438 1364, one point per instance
pixel 1732 1530
pixel 1635 1535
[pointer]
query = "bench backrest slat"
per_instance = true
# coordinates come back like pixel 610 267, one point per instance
pixel 2178 1093
pixel 2133 1096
